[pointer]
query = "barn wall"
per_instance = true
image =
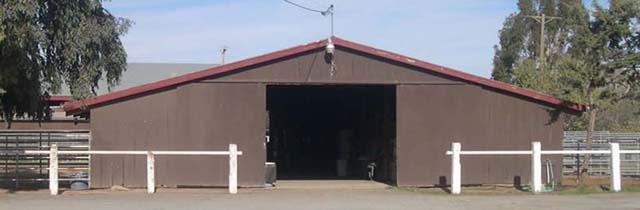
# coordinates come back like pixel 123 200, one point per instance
pixel 430 117
pixel 351 68
pixel 212 116
pixel 433 110
pixel 196 116
pixel 143 123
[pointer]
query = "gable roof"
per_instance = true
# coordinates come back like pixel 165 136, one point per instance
pixel 81 106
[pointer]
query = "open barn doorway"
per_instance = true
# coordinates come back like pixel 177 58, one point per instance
pixel 332 131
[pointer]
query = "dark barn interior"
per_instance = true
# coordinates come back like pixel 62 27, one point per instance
pixel 332 132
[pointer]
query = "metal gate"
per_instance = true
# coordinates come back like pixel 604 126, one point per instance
pixel 23 171
pixel 599 164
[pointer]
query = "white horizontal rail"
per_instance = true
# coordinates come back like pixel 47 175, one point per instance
pixel 492 152
pixel 573 152
pixel 53 163
pixel 110 152
pixel 544 152
pixel 629 151
pixel 536 163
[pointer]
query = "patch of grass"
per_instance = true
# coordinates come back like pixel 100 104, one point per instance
pixel 427 190
pixel 510 190
pixel 587 190
pixel 630 188
pixel 466 190
pixel 580 190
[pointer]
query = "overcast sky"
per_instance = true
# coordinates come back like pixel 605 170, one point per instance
pixel 454 33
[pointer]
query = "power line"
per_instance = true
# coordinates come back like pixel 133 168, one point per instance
pixel 328 11
pixel 303 7
pixel 330 48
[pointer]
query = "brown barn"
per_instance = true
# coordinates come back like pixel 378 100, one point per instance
pixel 326 115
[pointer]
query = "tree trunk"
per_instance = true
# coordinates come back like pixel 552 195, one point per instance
pixel 7 121
pixel 583 174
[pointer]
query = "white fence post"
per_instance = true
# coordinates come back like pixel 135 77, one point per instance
pixel 233 168
pixel 53 169
pixel 616 179
pixel 536 167
pixel 53 163
pixel 455 168
pixel 151 176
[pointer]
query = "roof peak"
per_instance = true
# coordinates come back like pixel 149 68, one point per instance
pixel 77 107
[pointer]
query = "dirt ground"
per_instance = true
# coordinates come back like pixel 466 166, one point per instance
pixel 600 180
pixel 293 199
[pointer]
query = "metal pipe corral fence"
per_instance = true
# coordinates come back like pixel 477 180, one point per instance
pixel 599 164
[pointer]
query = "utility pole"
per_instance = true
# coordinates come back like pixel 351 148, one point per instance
pixel 222 52
pixel 542 19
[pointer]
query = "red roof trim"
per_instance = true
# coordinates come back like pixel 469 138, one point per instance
pixel 459 74
pixel 58 98
pixel 76 107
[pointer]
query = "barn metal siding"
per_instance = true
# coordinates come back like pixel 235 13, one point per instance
pixel 430 117
pixel 196 116
pixel 212 116
pixel 143 123
pixel 432 111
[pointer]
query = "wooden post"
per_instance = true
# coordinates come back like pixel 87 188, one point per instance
pixel 151 180
pixel 53 169
pixel 233 168
pixel 455 168
pixel 616 179
pixel 536 167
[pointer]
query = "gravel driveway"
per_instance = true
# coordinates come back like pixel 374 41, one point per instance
pixel 295 199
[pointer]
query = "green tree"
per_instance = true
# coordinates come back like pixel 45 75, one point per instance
pixel 602 66
pixel 48 43
pixel 520 36
pixel 595 61
pixel 623 117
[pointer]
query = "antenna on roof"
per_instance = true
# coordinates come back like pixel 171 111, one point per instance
pixel 328 11
pixel 223 51
pixel 330 48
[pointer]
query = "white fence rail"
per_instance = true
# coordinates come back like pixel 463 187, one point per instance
pixel 53 163
pixel 536 164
